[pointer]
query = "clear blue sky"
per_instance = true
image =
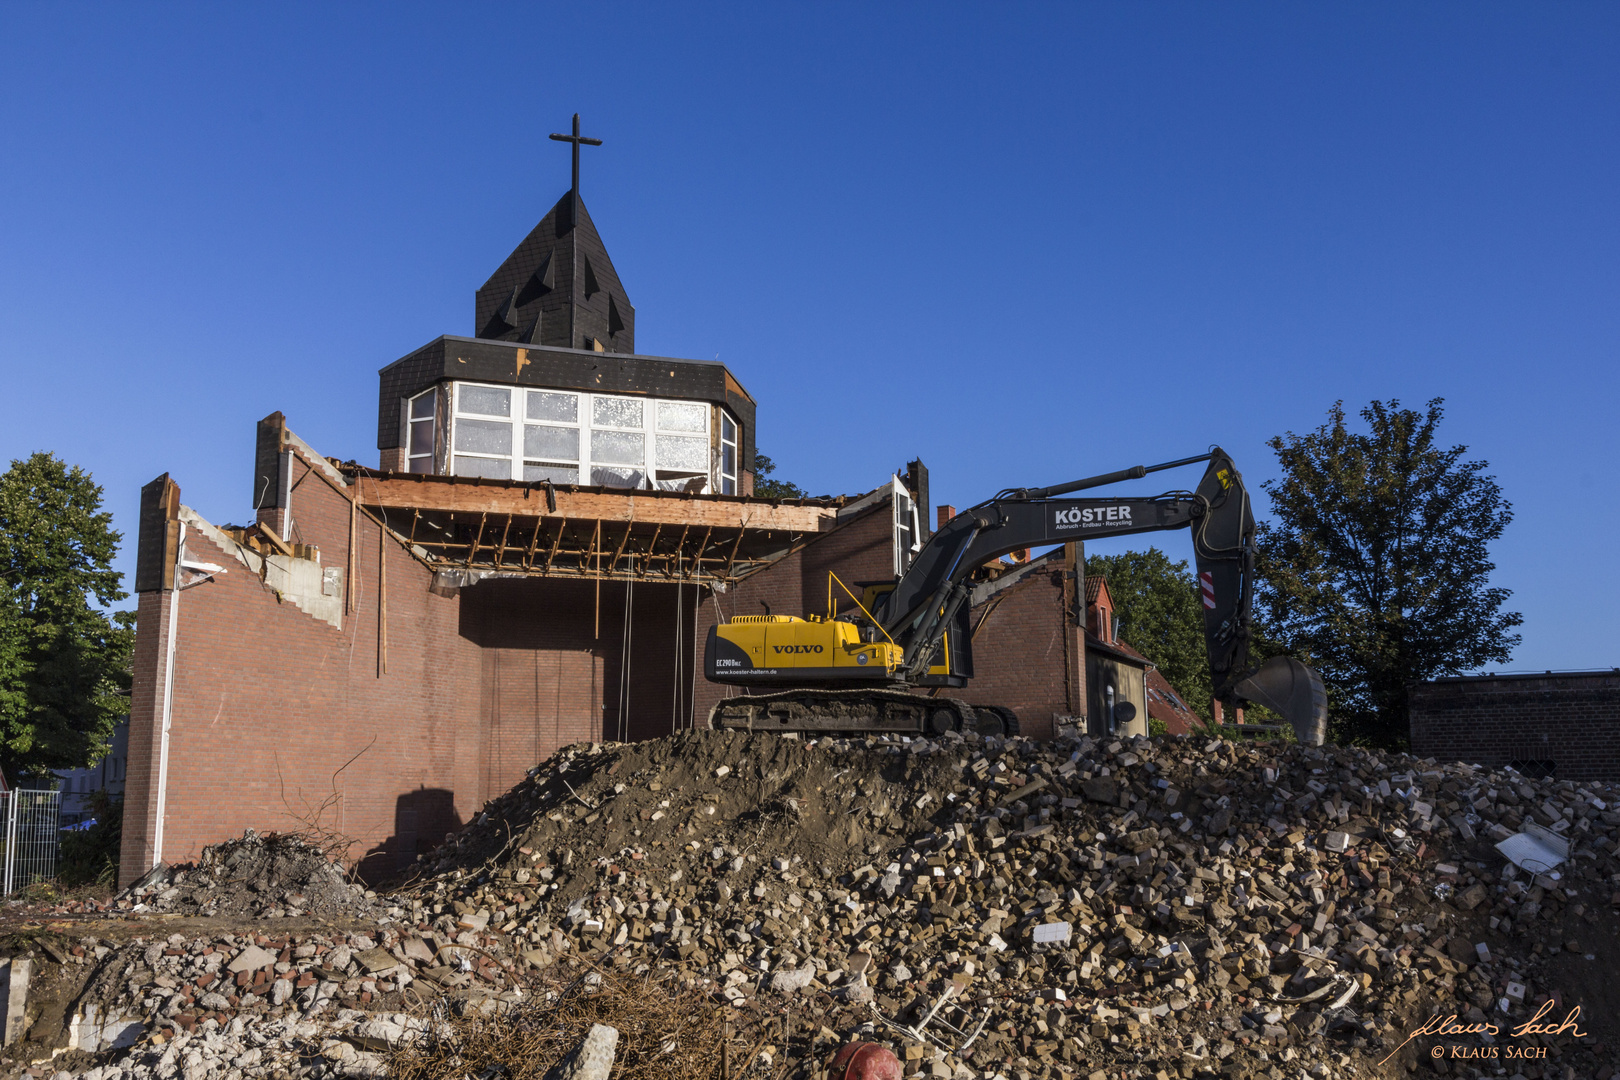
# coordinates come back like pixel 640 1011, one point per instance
pixel 1025 242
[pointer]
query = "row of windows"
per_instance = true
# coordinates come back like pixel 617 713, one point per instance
pixel 508 433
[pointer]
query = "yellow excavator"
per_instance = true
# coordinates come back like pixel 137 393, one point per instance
pixel 861 672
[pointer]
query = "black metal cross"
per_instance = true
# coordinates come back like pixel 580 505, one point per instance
pixel 577 139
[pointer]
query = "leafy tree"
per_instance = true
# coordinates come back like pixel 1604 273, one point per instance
pixel 1161 616
pixel 773 489
pixel 64 662
pixel 1376 568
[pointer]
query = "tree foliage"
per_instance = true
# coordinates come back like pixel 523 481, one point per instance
pixel 64 661
pixel 773 489
pixel 1376 568
pixel 1161 616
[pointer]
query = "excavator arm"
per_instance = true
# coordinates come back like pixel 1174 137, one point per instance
pixel 917 613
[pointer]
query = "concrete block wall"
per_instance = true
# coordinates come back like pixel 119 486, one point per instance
pixel 1570 719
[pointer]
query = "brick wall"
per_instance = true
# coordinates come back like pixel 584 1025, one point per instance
pixel 276 713
pixel 1023 650
pixel 1571 719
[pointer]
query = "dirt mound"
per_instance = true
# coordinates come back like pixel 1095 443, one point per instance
pixel 253 876
pixel 704 802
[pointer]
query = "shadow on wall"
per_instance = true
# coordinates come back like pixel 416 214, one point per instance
pixel 422 818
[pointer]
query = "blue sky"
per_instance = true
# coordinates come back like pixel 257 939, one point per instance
pixel 1025 242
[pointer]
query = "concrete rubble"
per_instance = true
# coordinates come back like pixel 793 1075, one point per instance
pixel 984 907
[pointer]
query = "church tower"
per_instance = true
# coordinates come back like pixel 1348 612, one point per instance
pixel 559 287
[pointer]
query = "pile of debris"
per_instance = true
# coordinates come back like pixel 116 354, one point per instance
pixel 984 906
pixel 1145 904
pixel 278 875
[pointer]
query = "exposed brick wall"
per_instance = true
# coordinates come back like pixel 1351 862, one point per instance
pixel 270 704
pixel 1570 719
pixel 1021 650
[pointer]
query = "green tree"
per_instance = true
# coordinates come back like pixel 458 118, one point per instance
pixel 1161 616
pixel 1376 568
pixel 773 489
pixel 64 661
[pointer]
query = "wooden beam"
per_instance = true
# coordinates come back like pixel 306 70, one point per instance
pixel 500 553
pixel 473 551
pixel 653 507
pixel 733 560
pixel 534 538
pixel 623 541
pixel 651 544
pixel 680 552
pixel 562 526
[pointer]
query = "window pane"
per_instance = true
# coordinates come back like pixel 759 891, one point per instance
pixel 617 448
pixel 616 412
pixel 494 468
pixel 611 477
pixel 422 464
pixel 483 437
pixel 557 474
pixel 682 452
pixel 682 416
pixel 551 443
pixel 728 459
pixel 484 400
pixel 421 437
pixel 728 429
pixel 673 482
pixel 562 408
pixel 728 486
pixel 422 406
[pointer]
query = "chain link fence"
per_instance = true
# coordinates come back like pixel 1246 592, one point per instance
pixel 28 823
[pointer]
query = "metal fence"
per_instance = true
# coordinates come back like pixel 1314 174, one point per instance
pixel 30 820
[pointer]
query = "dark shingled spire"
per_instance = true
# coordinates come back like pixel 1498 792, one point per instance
pixel 528 299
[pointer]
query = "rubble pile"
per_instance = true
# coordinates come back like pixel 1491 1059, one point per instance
pixel 273 876
pixel 1177 907
pixel 1150 904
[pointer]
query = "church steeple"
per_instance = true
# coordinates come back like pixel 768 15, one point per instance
pixel 558 287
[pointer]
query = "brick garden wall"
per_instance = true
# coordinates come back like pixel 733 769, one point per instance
pixel 1569 719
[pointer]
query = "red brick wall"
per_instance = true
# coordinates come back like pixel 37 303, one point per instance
pixel 1021 651
pixel 270 702
pixel 1571 719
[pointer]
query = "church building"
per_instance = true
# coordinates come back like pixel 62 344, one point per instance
pixel 552 523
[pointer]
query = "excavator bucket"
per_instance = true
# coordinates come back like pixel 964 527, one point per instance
pixel 1294 691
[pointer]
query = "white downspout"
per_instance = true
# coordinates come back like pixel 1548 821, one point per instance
pixel 168 702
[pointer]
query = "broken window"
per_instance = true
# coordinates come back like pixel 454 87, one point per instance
pixel 551 438
pixel 571 438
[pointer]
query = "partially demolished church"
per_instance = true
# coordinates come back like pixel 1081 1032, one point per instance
pixel 553 523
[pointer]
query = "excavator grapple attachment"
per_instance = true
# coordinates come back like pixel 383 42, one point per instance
pixel 1292 690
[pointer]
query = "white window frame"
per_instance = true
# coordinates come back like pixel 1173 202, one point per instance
pixel 579 427
pixel 412 452
pixel 585 424
pixel 905 522
pixel 728 481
